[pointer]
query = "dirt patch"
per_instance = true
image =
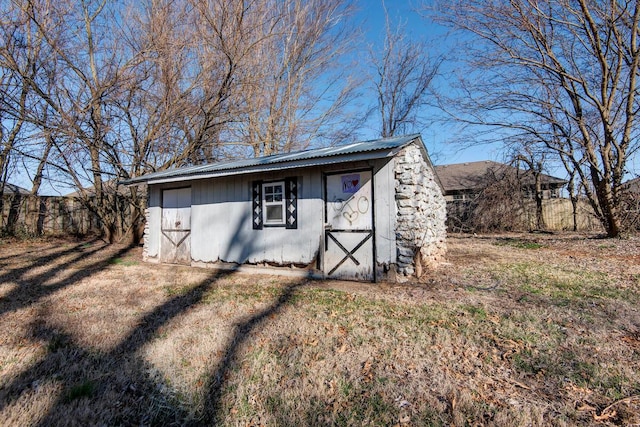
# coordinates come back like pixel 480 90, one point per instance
pixel 512 330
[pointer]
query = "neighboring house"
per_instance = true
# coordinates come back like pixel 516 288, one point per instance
pixel 369 211
pixel 109 187
pixel 632 186
pixel 464 181
pixel 10 189
pixel 630 202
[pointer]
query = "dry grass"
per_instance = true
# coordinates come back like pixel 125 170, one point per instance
pixel 517 330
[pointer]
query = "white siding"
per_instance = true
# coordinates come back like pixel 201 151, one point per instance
pixel 222 223
pixel 385 213
pixel 221 218
pixel 154 217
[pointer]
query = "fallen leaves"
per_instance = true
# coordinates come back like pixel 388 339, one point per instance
pixel 367 370
pixel 364 354
pixel 632 339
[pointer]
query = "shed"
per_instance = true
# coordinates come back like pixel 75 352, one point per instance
pixel 370 211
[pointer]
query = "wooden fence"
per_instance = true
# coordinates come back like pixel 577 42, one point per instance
pixel 557 214
pixel 37 215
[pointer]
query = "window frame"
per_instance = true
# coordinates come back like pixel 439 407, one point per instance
pixel 266 204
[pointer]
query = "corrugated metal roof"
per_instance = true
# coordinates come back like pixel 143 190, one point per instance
pixel 376 148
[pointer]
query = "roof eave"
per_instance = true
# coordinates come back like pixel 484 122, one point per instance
pixel 364 156
pixel 363 151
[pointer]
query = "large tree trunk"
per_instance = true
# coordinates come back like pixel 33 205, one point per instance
pixel 607 203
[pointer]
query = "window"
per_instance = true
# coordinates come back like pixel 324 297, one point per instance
pixel 529 192
pixel 275 204
pixel 273 194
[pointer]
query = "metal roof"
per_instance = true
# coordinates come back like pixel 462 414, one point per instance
pixel 372 149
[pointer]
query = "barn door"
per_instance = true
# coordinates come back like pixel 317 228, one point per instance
pixel 349 229
pixel 175 244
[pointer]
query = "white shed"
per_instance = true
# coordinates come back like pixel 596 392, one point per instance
pixel 371 211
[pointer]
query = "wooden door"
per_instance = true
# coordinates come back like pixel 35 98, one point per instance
pixel 175 243
pixel 349 248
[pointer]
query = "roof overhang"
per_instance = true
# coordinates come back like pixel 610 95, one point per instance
pixel 361 151
pixel 270 167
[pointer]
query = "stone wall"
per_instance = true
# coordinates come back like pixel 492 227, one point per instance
pixel 421 223
pixel 146 234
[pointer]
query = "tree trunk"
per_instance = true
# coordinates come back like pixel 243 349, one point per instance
pixel 608 207
pixel 540 223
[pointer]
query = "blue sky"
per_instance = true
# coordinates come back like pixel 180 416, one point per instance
pixel 370 13
pixel 438 136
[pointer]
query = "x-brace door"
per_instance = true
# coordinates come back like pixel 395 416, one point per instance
pixel 349 248
pixel 175 229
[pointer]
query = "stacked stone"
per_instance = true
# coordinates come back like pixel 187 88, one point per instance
pixel 147 233
pixel 421 215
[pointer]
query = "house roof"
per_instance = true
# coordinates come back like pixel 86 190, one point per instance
pixel 108 187
pixel 633 185
pixel 473 175
pixel 14 189
pixel 365 150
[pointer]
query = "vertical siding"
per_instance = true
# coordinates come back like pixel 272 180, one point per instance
pixel 222 222
pixel 154 217
pixel 221 218
pixel 385 212
pixel 217 221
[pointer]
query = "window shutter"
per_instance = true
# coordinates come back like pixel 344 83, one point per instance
pixel 291 206
pixel 257 204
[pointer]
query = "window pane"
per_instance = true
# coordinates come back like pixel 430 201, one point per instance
pixel 277 197
pixel 268 197
pixel 277 189
pixel 274 213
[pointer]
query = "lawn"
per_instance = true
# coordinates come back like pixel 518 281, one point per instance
pixel 512 330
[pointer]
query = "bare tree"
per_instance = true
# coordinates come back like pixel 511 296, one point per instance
pixel 294 87
pixel 497 204
pixel 563 73
pixel 17 64
pixel 534 162
pixel 84 65
pixel 95 91
pixel 403 77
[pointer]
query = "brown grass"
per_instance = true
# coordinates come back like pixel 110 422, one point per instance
pixel 514 330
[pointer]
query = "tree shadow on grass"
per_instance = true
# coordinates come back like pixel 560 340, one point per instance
pixel 32 289
pixel 46 258
pixel 119 387
pixel 241 332
pixel 118 383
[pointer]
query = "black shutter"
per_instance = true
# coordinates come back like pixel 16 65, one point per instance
pixel 256 202
pixel 291 206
